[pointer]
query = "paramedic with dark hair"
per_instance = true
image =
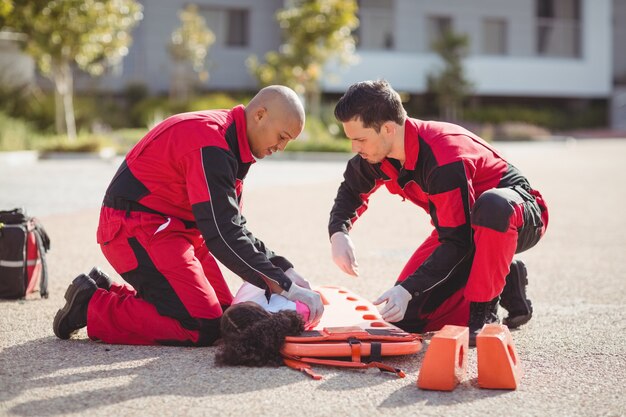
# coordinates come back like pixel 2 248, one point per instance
pixel 482 208
pixel 174 205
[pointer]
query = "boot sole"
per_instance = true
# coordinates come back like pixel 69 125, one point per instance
pixel 516 321
pixel 70 296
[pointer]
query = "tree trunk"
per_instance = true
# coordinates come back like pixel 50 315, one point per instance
pixel 59 114
pixel 64 90
pixel 314 100
pixel 180 84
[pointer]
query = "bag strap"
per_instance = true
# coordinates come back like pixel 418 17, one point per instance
pixel 45 239
pixel 43 244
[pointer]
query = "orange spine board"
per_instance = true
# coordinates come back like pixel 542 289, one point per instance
pixel 349 316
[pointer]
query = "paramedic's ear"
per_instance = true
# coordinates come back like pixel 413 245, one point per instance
pixel 343 254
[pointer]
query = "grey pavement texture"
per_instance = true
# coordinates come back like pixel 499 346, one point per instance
pixel 573 351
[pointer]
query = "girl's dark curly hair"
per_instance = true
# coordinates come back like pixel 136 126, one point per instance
pixel 253 337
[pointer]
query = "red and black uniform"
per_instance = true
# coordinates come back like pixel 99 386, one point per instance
pixel 173 205
pixel 483 210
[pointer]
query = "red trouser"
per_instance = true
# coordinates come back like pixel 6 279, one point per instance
pixel 178 292
pixel 505 221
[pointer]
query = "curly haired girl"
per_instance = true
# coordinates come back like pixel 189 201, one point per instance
pixel 254 330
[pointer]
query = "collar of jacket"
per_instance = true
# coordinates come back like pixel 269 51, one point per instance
pixel 411 144
pixel 239 116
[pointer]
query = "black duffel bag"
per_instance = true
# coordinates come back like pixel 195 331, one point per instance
pixel 23 247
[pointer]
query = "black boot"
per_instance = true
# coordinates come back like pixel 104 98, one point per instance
pixel 481 314
pixel 513 297
pixel 73 315
pixel 102 279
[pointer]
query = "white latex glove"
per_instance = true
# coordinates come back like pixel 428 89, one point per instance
pixel 297 278
pixel 309 297
pixel 342 250
pixel 397 300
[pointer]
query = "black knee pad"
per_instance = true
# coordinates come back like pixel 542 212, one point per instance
pixel 492 210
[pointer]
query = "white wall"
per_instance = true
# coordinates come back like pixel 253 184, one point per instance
pixel 149 62
pixel 519 74
pixel 619 39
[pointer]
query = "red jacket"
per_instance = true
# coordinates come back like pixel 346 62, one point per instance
pixel 446 169
pixel 191 167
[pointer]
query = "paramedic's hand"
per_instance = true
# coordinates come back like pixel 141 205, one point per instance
pixel 309 297
pixel 297 278
pixel 397 300
pixel 342 250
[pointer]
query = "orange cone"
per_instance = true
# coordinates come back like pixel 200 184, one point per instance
pixel 445 362
pixel 498 364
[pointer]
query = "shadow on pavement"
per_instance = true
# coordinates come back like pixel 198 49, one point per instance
pixel 78 375
pixel 465 393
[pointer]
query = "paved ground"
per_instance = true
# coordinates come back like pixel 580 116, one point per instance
pixel 573 351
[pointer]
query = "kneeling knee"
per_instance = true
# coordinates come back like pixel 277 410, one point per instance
pixel 493 211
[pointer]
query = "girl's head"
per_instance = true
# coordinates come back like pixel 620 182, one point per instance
pixel 253 337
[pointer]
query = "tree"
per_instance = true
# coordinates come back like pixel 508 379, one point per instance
pixel 5 8
pixel 188 49
pixel 450 85
pixel 89 34
pixel 314 31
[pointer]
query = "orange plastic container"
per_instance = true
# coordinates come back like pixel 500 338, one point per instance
pixel 445 361
pixel 499 366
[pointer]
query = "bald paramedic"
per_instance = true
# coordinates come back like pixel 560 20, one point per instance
pixel 171 210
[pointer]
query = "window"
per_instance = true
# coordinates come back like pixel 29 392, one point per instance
pixel 494 37
pixel 558 28
pixel 237 28
pixel 375 30
pixel 437 26
pixel 231 27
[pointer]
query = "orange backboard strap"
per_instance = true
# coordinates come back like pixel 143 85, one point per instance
pixel 355 348
pixel 298 365
pixel 304 365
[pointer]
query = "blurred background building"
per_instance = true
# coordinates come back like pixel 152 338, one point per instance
pixel 566 54
pixel 538 49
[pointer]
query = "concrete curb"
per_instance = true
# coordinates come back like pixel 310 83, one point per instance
pixel 13 158
pixel 105 153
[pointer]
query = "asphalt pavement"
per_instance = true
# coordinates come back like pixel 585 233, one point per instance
pixel 573 351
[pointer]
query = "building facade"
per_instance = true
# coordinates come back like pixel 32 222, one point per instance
pixel 538 48
pixel 565 49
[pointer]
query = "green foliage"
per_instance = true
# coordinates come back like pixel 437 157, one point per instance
pixel 90 33
pixel 192 40
pixel 320 134
pixel 15 134
pixel 188 49
pixel 450 85
pixel 6 6
pixel 85 142
pixel 550 117
pixel 319 137
pixel 314 31
pixel 125 139
pixel 154 109
pixel 216 101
